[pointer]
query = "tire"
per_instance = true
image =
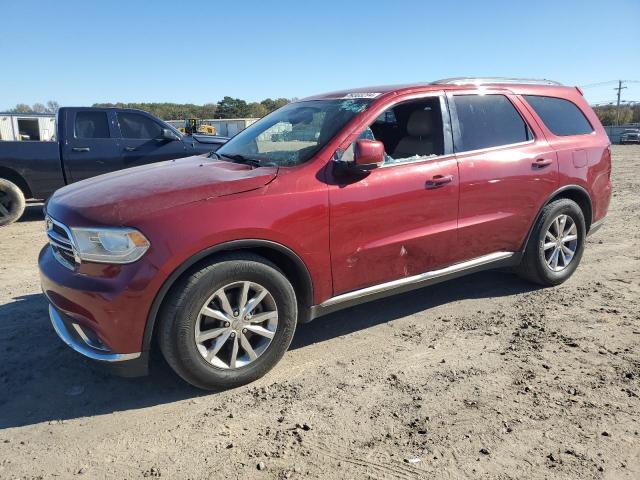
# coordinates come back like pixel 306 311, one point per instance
pixel 537 263
pixel 12 202
pixel 182 314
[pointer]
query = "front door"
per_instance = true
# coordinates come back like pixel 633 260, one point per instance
pixel 142 142
pixel 400 219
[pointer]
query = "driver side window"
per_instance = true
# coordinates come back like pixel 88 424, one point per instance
pixel 409 131
pixel 134 125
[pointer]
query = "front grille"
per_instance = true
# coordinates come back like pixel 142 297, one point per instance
pixel 61 243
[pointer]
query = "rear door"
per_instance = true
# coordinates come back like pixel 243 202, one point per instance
pixel 90 145
pixel 507 171
pixel 142 142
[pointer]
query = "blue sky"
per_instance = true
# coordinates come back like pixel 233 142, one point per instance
pixel 81 52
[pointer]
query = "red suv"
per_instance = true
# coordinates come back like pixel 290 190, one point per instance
pixel 328 202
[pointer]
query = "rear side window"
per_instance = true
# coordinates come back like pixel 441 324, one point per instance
pixel 134 125
pixel 488 121
pixel 561 116
pixel 92 125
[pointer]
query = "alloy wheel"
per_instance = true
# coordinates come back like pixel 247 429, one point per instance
pixel 560 243
pixel 236 325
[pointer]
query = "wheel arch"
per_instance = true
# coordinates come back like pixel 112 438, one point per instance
pixel 578 194
pixel 284 258
pixel 14 177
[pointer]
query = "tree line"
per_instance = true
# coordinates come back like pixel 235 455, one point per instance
pixel 230 107
pixel 51 107
pixel 608 114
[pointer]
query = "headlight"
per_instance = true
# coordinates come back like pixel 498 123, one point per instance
pixel 109 245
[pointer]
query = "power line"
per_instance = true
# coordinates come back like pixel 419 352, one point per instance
pixel 599 84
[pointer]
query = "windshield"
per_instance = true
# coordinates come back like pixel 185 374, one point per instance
pixel 292 134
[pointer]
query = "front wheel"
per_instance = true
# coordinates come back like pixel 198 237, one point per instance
pixel 228 323
pixel 12 202
pixel 556 244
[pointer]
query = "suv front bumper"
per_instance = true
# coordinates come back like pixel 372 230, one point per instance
pixel 124 364
pixel 102 317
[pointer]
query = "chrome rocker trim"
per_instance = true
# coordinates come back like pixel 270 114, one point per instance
pixel 85 348
pixel 595 226
pixel 492 260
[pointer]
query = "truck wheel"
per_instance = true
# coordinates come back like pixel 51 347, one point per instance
pixel 12 202
pixel 228 323
pixel 556 244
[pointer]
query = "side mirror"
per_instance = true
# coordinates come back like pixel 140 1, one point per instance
pixel 368 154
pixel 168 134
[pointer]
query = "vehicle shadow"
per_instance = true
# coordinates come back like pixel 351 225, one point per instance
pixel 43 380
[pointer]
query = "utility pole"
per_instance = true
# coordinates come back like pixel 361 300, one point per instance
pixel 619 88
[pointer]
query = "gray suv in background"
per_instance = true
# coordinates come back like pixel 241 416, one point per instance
pixel 630 135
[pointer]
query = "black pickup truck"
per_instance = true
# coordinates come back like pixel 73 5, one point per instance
pixel 89 142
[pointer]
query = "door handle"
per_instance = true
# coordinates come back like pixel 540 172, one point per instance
pixel 81 149
pixel 439 181
pixel 542 162
pixel 130 149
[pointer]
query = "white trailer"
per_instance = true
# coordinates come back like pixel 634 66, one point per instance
pixel 33 127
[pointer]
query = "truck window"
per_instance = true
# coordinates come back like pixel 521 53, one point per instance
pixel 487 121
pixel 92 125
pixel 134 125
pixel 561 116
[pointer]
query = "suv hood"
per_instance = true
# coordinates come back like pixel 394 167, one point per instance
pixel 121 197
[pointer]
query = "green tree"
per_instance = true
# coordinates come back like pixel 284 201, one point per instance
pixel 257 110
pixel 208 110
pixel 272 105
pixel 232 108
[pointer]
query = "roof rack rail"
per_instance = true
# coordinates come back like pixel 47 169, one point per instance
pixel 493 80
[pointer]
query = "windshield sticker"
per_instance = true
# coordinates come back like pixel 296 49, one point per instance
pixel 362 95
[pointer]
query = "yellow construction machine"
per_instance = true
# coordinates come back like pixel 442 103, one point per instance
pixel 195 125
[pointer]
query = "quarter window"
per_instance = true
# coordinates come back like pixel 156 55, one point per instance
pixel 134 125
pixel 488 121
pixel 92 125
pixel 561 116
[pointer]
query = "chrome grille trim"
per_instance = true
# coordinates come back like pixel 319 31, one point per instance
pixel 62 247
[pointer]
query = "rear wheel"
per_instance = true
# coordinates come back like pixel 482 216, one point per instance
pixel 228 323
pixel 556 245
pixel 12 202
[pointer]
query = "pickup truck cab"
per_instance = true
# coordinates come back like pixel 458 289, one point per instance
pixel 88 142
pixel 328 202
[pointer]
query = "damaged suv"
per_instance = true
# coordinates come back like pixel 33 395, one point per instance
pixel 328 202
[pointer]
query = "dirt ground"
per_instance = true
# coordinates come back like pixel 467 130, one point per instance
pixel 482 377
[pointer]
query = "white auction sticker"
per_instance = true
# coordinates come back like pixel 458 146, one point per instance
pixel 362 95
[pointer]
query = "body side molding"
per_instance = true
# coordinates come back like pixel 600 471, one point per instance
pixel 492 260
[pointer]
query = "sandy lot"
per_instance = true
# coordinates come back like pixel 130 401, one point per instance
pixel 482 377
